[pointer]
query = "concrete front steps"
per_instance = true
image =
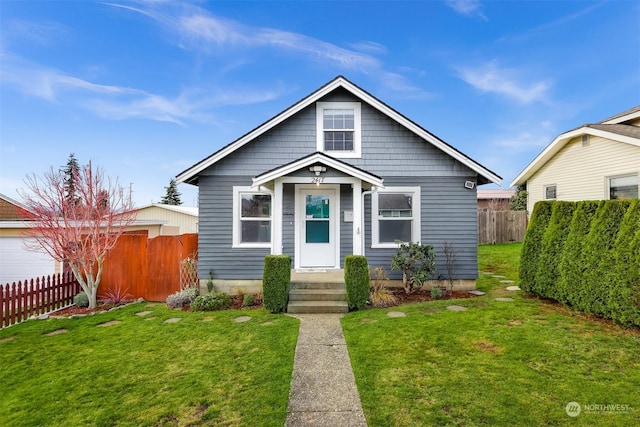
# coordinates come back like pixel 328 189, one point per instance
pixel 314 295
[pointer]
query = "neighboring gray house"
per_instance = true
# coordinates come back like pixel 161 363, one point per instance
pixel 306 182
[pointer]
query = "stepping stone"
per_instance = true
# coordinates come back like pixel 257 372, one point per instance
pixel 242 319
pixel 7 339
pixel 57 332
pixel 513 288
pixel 208 319
pixel 43 317
pixel 498 276
pixel 506 281
pixel 478 293
pixel 504 299
pixel 486 273
pixel 143 313
pixel 456 308
pixel 396 314
pixel 111 323
pixel 173 320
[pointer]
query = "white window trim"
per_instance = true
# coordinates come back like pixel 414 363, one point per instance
pixel 607 182
pixel 238 191
pixel 544 191
pixel 415 213
pixel 357 123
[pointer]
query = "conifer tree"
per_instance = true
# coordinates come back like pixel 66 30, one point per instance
pixel 172 196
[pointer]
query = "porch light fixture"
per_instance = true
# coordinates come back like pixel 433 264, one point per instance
pixel 317 169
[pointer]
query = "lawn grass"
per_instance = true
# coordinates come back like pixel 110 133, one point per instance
pixel 203 370
pixel 497 364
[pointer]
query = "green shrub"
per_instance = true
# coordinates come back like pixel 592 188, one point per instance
pixel 417 263
pixel 356 279
pixel 624 277
pixel 571 266
pixel 436 293
pixel 593 295
pixel 248 300
pixel 552 245
pixel 211 302
pixel 532 244
pixel 182 298
pixel 275 282
pixel 81 300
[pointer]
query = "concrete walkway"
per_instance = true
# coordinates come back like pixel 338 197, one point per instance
pixel 323 389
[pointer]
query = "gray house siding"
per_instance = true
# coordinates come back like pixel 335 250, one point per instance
pixel 215 233
pixel 288 221
pixel 346 228
pixel 448 213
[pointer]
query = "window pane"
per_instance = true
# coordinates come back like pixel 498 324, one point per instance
pixel 338 141
pixel 317 206
pixel 625 187
pixel 337 118
pixel 317 232
pixel 550 192
pixel 391 230
pixel 256 206
pixel 255 231
pixel 395 202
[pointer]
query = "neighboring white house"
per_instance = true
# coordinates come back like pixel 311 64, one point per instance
pixel 17 261
pixel 171 220
pixel 593 162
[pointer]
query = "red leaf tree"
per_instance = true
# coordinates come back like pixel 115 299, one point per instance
pixel 78 228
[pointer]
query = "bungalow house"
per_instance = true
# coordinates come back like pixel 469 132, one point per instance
pixel 165 220
pixel 596 161
pixel 337 173
pixel 495 200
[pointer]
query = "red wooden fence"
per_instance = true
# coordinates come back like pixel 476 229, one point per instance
pixel 19 301
pixel 147 268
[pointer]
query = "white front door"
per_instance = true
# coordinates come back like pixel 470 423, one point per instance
pixel 317 235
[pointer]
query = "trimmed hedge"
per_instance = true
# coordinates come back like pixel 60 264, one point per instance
pixel 624 279
pixel 532 244
pixel 587 255
pixel 275 282
pixel 551 249
pixel 571 267
pixel 356 279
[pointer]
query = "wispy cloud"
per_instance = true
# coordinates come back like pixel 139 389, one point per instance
pixel 490 77
pixel 471 8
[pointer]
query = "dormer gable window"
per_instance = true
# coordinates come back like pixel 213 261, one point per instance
pixel 338 125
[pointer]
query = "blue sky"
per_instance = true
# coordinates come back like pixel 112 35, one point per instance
pixel 145 89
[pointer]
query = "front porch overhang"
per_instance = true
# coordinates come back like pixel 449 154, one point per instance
pixel 368 179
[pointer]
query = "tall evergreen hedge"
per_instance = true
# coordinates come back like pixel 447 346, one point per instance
pixel 624 277
pixel 587 255
pixel 276 280
pixel 532 244
pixel 593 294
pixel 571 266
pixel 551 249
pixel 356 279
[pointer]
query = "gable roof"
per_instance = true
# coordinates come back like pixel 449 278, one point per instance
pixel 190 175
pixel 11 209
pixel 314 159
pixel 614 128
pixel 187 210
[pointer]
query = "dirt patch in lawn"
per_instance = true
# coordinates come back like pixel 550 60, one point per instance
pixel 425 295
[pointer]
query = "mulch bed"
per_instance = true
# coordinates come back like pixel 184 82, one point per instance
pixel 425 295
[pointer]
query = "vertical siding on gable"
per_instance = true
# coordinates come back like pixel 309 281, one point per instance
pixel 580 172
pixel 449 213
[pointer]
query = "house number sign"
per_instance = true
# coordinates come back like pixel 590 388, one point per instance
pixel 317 179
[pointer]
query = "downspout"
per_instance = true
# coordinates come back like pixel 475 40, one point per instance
pixel 362 227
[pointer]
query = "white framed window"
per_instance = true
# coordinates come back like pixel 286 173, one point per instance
pixel 252 215
pixel 395 215
pixel 339 128
pixel 550 192
pixel 622 186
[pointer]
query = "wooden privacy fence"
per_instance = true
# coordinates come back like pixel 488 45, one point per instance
pixel 147 268
pixel 19 301
pixel 501 226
